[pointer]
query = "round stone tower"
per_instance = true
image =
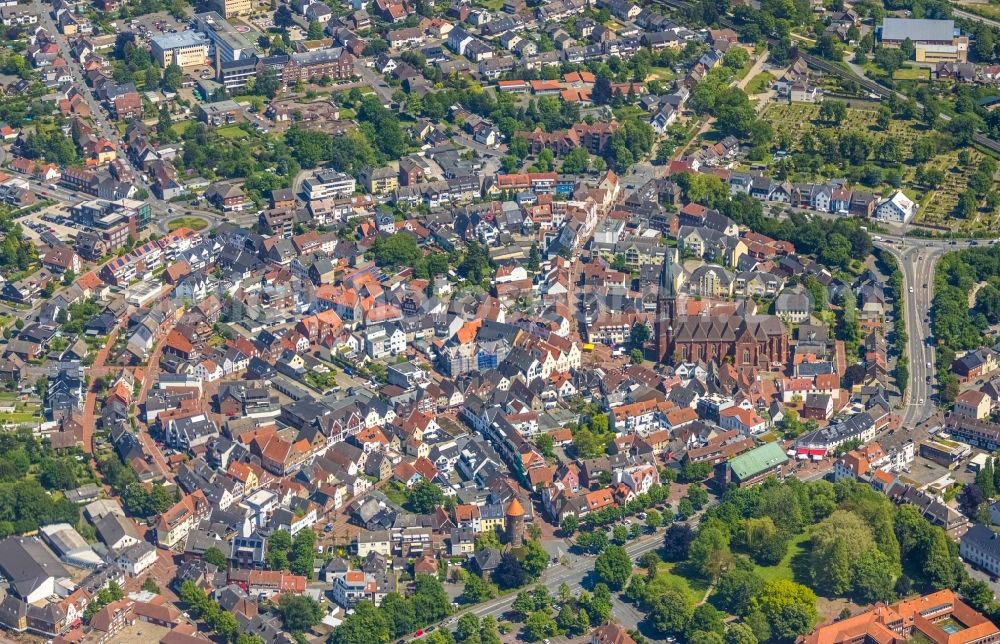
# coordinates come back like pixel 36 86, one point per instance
pixel 515 524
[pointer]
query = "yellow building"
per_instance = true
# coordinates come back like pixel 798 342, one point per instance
pixel 233 8
pixel 185 49
pixel 931 53
pixel 492 517
pixel 380 181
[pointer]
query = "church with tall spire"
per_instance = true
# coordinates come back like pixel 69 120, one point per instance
pixel 666 307
pixel 739 334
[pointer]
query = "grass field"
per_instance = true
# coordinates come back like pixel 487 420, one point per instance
pixel 25 413
pixel 912 73
pixel 758 84
pixel 660 74
pixel 194 223
pixel 396 493
pixel 668 579
pixel 798 548
pixel 232 132
pixel 180 127
pixel 246 99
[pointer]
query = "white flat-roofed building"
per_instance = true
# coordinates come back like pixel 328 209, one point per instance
pixel 329 183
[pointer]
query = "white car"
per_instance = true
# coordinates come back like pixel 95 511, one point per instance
pixel 911 289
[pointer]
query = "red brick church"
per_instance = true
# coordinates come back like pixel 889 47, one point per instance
pixel 749 340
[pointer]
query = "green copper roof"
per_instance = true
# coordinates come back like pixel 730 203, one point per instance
pixel 757 460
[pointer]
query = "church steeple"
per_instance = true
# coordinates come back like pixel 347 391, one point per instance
pixel 666 307
pixel 668 285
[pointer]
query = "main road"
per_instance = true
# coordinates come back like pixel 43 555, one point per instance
pixel 574 574
pixel 917 260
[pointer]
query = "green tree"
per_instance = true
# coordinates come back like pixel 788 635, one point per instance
pixel 706 618
pixel 763 541
pixel 535 559
pixel 510 573
pixel 468 626
pixel 940 565
pixel 539 626
pixel 477 590
pixel 639 335
pixel 736 58
pixel 836 543
pixel 173 77
pixel 215 556
pixel 366 626
pixel 790 608
pixel 669 613
pixel 588 444
pixel 426 496
pixel 736 589
pixel 576 161
pixel 653 519
pixel 267 83
pixel 399 613
pixel 396 251
pixel 523 604
pixel 226 626
pixel 709 552
pixel 299 612
pixel 875 576
pixel 740 634
pixel 692 472
pixel 614 566
pixel 476 265
pixel 884 117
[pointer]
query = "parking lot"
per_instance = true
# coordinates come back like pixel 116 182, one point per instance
pixel 51 220
pixel 155 24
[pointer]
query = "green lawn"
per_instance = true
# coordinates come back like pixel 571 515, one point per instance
pixel 233 132
pixel 798 546
pixel 25 413
pixel 194 223
pixel 396 493
pixel 668 578
pixel 759 83
pixel 181 127
pixel 911 73
pixel 660 74
pixel 249 98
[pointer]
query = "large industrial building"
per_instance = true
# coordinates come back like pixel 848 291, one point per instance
pixel 934 41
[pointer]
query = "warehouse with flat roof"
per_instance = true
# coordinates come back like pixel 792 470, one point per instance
pixel 933 41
